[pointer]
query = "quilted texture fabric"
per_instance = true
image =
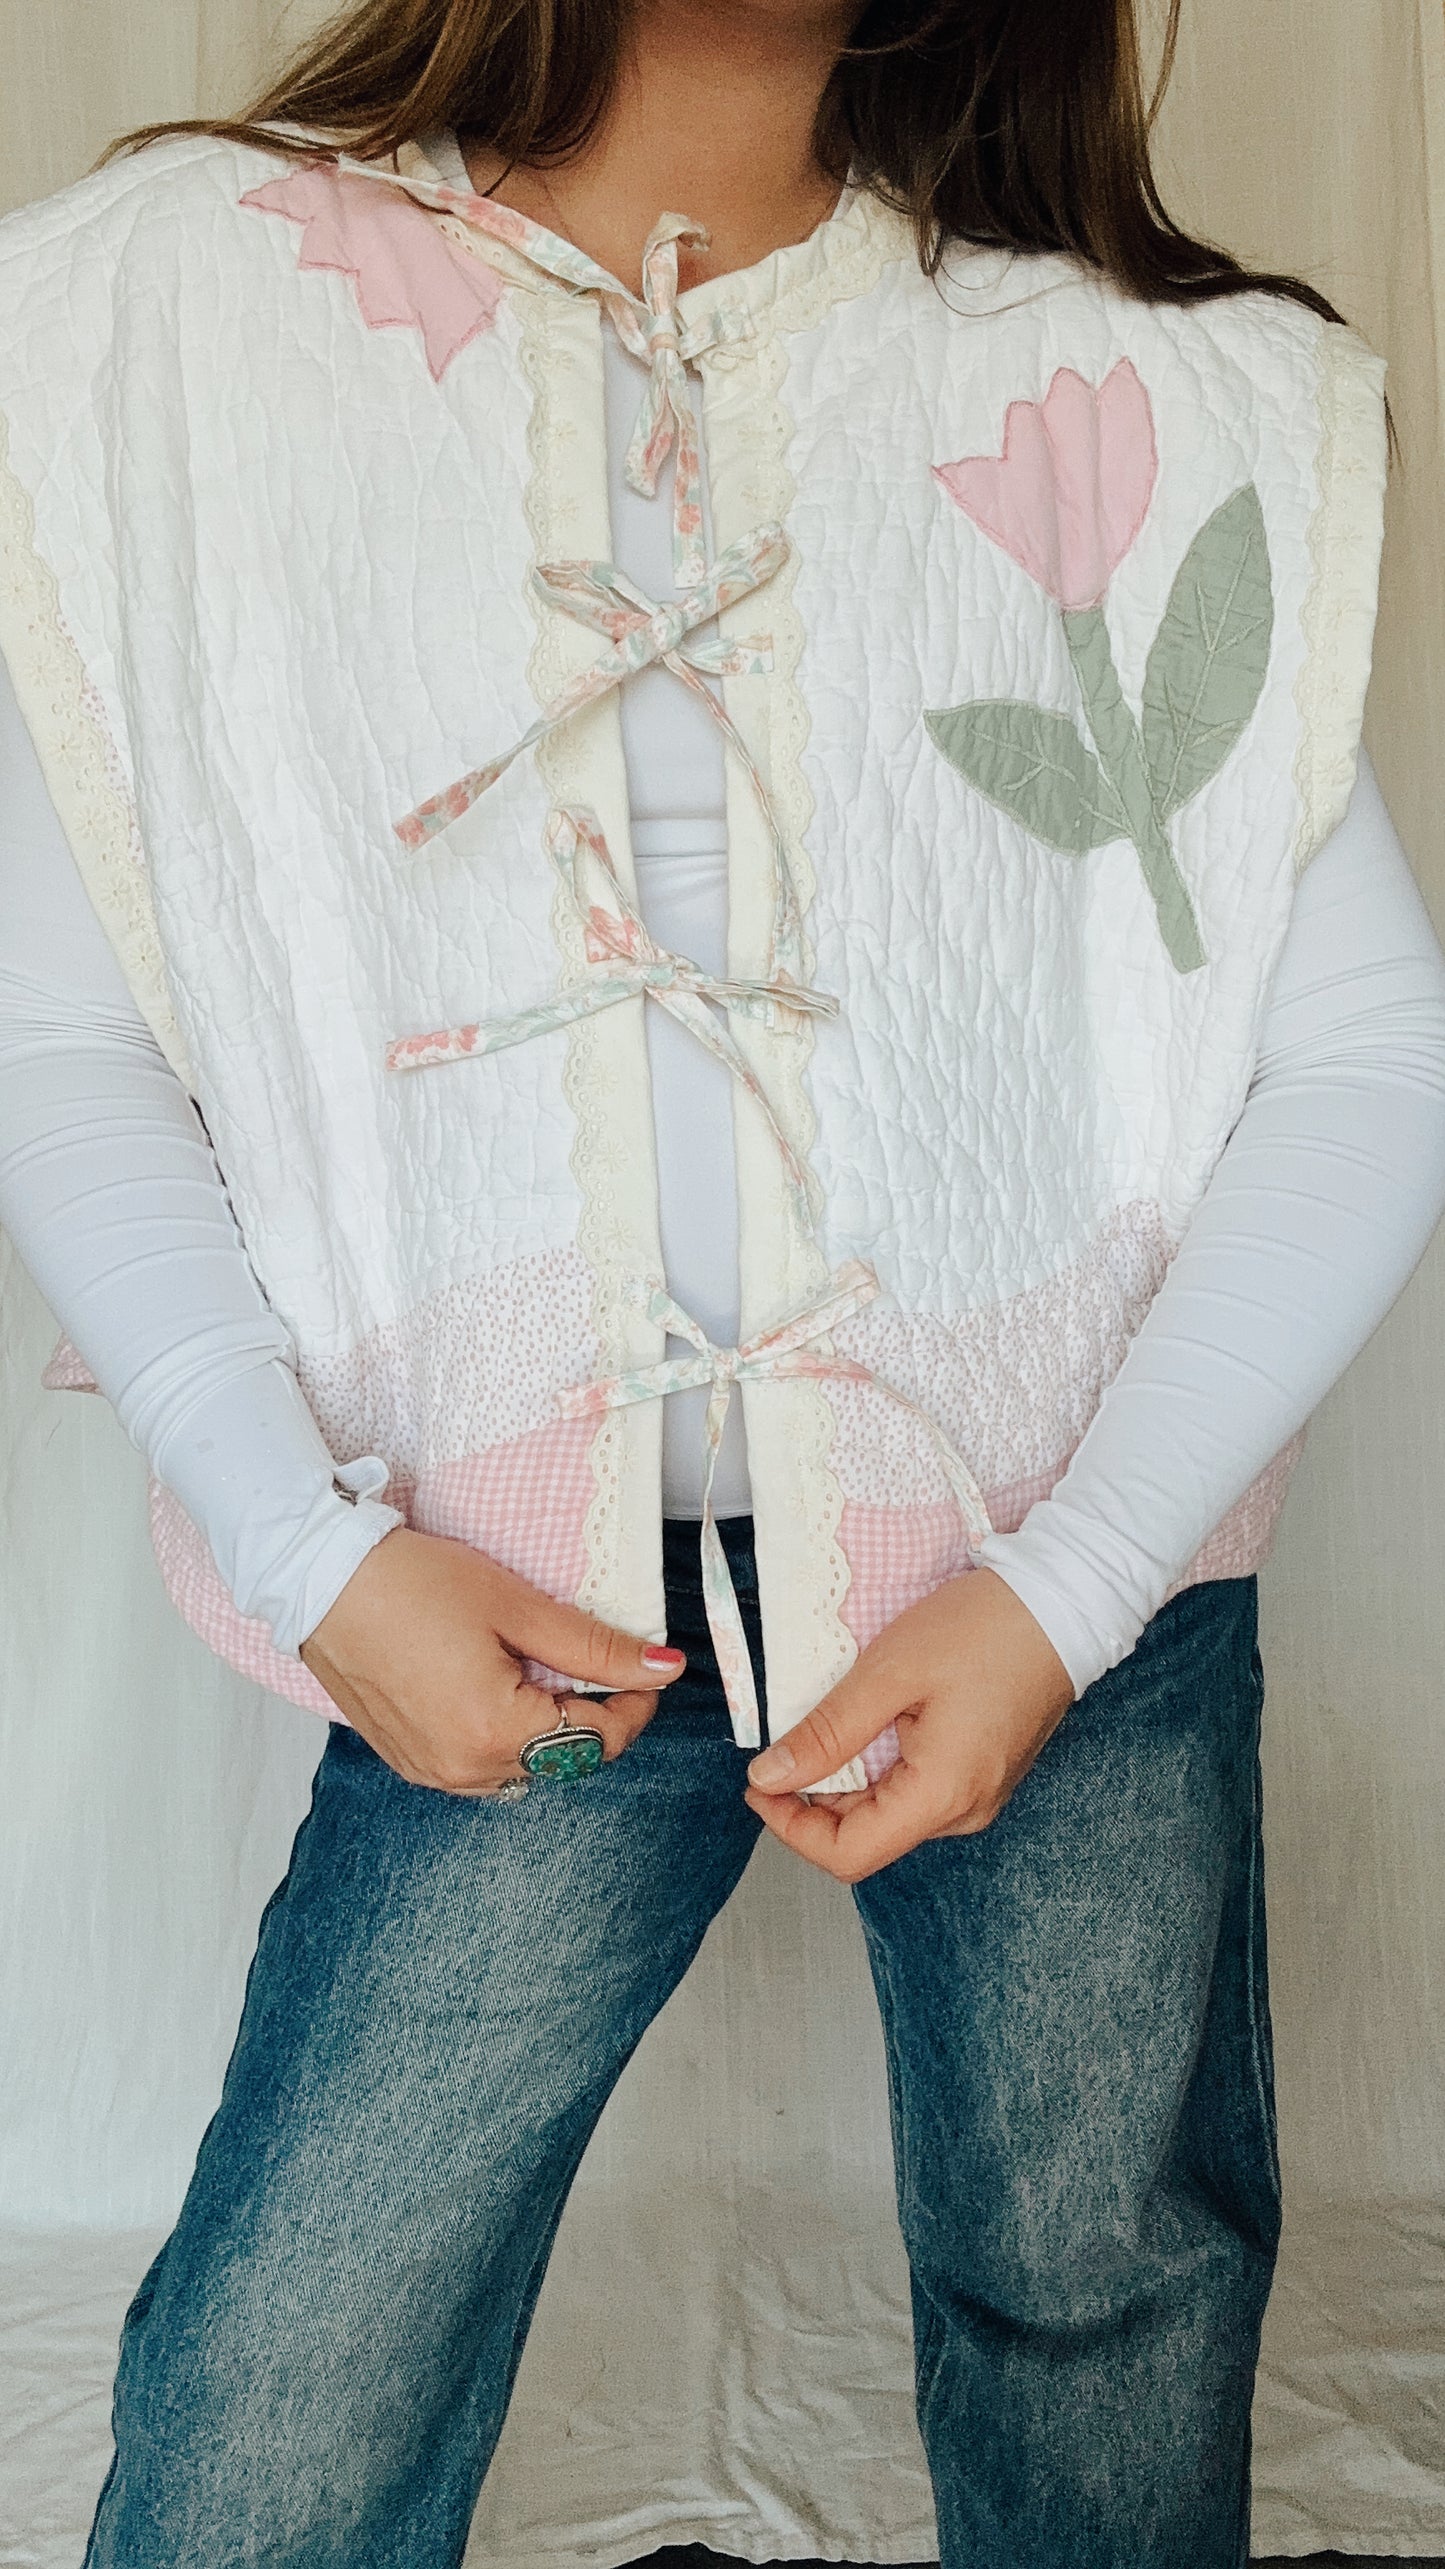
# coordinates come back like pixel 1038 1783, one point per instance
pixel 1049 681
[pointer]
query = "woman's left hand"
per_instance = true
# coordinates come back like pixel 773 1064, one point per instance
pixel 974 1687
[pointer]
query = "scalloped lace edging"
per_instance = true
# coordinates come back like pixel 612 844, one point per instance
pixel 1338 617
pixel 79 758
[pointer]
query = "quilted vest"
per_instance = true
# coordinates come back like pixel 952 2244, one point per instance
pixel 1038 623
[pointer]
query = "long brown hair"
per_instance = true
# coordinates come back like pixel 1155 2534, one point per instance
pixel 1020 123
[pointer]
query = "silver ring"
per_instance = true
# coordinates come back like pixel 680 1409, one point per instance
pixel 514 1788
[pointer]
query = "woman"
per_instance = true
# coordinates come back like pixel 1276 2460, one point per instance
pixel 744 829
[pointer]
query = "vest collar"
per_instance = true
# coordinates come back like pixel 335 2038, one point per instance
pixel 790 289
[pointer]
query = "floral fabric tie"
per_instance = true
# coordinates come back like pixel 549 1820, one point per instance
pixel 782 1353
pixel 629 963
pixel 640 632
pixel 654 335
pixel 648 326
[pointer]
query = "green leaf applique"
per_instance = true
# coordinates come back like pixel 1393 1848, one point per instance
pixel 1208 659
pixel 1034 765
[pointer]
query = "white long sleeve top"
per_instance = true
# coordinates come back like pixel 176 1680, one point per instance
pixel 1318 1211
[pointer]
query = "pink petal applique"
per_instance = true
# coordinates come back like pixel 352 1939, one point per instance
pixel 407 274
pixel 1071 490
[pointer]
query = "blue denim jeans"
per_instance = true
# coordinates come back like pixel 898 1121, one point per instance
pixel 315 2370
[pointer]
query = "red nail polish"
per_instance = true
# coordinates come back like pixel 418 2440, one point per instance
pixel 657 1655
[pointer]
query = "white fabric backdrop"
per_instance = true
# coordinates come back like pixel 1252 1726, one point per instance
pixel 724 2328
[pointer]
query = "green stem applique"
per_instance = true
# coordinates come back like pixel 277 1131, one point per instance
pixel 1120 747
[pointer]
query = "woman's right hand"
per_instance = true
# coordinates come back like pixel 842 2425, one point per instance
pixel 423 1651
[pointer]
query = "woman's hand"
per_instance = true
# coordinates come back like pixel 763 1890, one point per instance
pixel 975 1689
pixel 423 1653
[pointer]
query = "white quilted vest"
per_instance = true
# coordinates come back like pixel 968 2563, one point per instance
pixel 1043 636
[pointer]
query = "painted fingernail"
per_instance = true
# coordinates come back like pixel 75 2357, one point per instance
pixel 773 1766
pixel 656 1655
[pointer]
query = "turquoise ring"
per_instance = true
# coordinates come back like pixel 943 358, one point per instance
pixel 563 1753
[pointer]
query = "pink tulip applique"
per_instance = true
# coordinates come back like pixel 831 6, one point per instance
pixel 1066 500
pixel 406 272
pixel 1072 487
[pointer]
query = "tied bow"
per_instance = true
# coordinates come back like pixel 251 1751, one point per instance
pixel 628 963
pixel 641 631
pixel 650 327
pixel 654 334
pixel 785 1352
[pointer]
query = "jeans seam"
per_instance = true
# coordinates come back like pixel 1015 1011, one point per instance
pixel 924 2342
pixel 888 2014
pixel 1259 2051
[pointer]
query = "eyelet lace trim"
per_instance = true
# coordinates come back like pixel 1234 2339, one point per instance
pixel 81 764
pixel 605 1239
pixel 1338 617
